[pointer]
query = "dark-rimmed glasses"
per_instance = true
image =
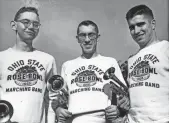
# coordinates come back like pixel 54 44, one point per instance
pixel 91 36
pixel 27 23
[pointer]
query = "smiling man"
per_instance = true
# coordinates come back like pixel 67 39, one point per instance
pixel 148 69
pixel 84 81
pixel 25 70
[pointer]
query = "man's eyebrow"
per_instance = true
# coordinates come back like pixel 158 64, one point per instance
pixel 25 19
pixel 29 20
pixel 140 23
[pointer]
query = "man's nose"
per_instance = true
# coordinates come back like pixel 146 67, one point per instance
pixel 137 30
pixel 30 25
pixel 87 39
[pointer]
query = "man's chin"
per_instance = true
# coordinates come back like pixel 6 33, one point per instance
pixel 88 51
pixel 30 37
pixel 140 41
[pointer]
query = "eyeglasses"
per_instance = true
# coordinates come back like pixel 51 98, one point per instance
pixel 27 23
pixel 91 36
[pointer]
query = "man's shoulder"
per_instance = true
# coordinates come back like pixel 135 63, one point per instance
pixel 165 43
pixel 164 49
pixel 161 45
pixel 3 52
pixel 44 54
pixel 131 55
pixel 108 58
pixel 71 61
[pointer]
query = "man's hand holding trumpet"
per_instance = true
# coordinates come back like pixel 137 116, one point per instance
pixel 55 84
pixel 120 90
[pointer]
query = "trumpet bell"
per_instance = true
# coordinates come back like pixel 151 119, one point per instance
pixel 6 111
pixel 108 74
pixel 55 83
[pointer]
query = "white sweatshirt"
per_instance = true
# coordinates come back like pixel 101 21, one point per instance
pixel 84 79
pixel 23 77
pixel 149 84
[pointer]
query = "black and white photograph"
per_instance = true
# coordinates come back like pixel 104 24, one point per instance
pixel 84 61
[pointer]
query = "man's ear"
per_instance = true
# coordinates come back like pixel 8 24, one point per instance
pixel 77 39
pixel 153 23
pixel 13 25
pixel 98 37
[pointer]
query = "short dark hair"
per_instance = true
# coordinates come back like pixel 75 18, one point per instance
pixel 25 9
pixel 139 10
pixel 87 23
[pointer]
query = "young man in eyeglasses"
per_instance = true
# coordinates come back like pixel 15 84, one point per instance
pixel 24 70
pixel 84 79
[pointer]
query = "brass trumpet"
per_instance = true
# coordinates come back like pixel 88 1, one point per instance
pixel 55 84
pixel 6 111
pixel 109 74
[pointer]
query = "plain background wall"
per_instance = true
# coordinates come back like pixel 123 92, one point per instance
pixel 60 18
